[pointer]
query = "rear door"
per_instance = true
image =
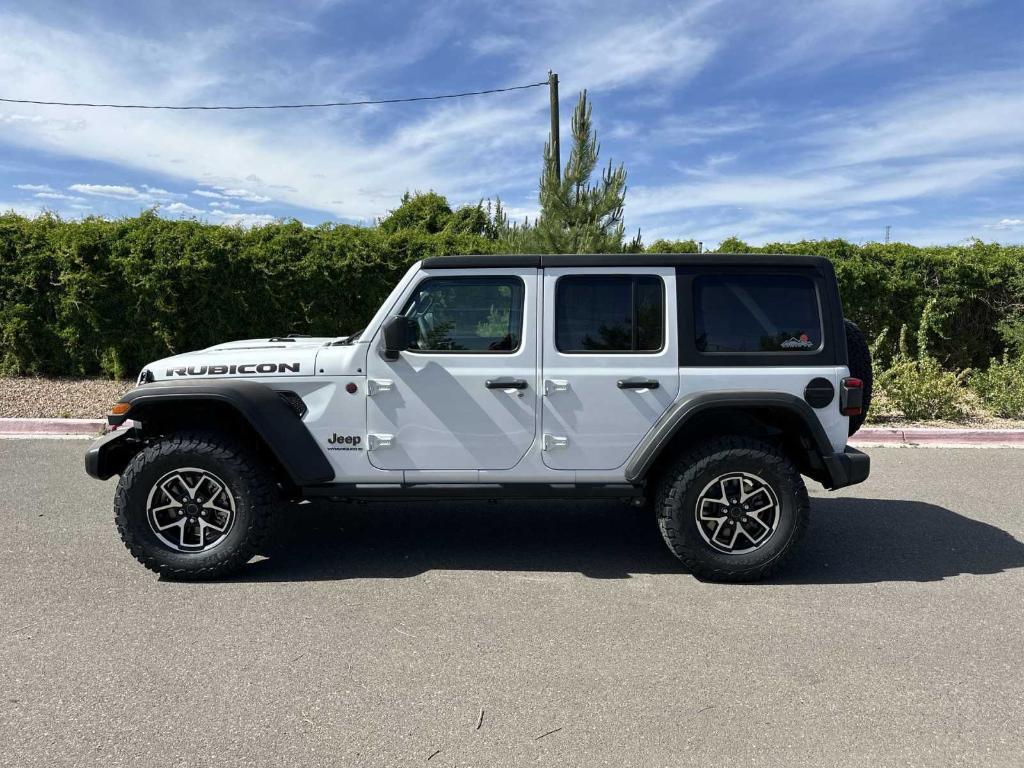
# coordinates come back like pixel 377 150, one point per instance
pixel 464 396
pixel 610 363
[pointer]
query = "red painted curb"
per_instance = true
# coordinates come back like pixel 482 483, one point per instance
pixel 936 436
pixel 867 435
pixel 51 426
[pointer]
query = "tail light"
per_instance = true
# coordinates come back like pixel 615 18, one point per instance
pixel 851 396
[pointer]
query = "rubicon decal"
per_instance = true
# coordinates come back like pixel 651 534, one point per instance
pixel 229 370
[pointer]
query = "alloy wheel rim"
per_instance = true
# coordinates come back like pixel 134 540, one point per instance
pixel 190 510
pixel 737 513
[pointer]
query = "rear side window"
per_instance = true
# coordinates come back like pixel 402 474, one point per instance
pixel 609 313
pixel 756 313
pixel 467 314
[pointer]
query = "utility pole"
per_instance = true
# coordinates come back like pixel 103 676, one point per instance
pixel 887 228
pixel 556 148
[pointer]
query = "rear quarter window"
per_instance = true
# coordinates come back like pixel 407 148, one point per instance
pixel 756 314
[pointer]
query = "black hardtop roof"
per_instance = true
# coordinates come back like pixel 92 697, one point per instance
pixel 627 260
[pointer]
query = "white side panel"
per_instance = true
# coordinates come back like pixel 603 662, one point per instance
pixel 588 422
pixel 791 380
pixel 436 406
pixel 337 421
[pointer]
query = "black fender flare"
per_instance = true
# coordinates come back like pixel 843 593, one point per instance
pixel 270 417
pixel 676 416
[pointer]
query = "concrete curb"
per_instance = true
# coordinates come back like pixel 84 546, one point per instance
pixel 867 436
pixel 50 427
pixel 936 436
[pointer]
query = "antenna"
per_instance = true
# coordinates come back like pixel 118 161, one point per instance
pixel 887 228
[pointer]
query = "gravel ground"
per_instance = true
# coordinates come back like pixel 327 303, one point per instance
pixel 91 398
pixel 29 398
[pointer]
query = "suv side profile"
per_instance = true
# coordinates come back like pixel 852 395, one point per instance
pixel 707 385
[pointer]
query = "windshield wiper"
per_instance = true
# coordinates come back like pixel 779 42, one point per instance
pixel 346 340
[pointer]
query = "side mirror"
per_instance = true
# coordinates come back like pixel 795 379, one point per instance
pixel 397 336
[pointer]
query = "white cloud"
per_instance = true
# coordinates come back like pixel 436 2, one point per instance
pixel 20 208
pixel 710 124
pixel 58 196
pixel 108 190
pixel 243 219
pixel 41 123
pixel 245 194
pixel 182 209
pixel 490 45
pixel 222 204
pixel 35 187
pixel 977 114
pixel 937 140
pixel 824 33
pixel 612 53
pixel 147 194
pixel 157 193
pixel 1007 224
pixel 219 193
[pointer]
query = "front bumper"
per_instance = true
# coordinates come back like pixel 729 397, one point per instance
pixel 110 454
pixel 847 468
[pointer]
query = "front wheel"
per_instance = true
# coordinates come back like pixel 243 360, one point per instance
pixel 733 509
pixel 194 506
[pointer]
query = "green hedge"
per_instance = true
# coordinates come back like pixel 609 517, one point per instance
pixel 978 288
pixel 105 297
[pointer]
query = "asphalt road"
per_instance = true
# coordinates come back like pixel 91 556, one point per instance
pixel 375 635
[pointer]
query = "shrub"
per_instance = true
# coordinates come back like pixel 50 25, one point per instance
pixel 1001 387
pixel 101 296
pixel 922 390
pixel 918 387
pixel 98 296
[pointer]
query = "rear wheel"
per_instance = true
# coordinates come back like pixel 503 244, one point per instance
pixel 194 506
pixel 733 509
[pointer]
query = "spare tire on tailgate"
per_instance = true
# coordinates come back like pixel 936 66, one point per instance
pixel 859 357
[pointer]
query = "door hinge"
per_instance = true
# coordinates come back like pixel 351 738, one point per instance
pixel 373 386
pixel 555 385
pixel 551 442
pixel 376 442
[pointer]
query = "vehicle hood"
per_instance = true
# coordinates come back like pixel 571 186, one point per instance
pixel 249 358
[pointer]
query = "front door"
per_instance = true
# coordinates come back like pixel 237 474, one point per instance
pixel 610 362
pixel 464 396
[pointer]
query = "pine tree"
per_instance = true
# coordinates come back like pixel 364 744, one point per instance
pixel 576 216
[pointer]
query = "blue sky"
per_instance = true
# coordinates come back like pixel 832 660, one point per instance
pixel 774 120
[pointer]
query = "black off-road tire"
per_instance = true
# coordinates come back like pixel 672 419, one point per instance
pixel 680 488
pixel 248 478
pixel 859 357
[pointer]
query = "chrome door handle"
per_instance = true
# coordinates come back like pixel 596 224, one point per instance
pixel 498 384
pixel 633 384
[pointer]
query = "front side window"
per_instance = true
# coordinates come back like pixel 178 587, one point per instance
pixel 756 313
pixel 466 314
pixel 609 313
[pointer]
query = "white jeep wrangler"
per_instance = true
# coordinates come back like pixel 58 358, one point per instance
pixel 706 383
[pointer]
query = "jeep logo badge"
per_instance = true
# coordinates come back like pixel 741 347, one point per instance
pixel 344 442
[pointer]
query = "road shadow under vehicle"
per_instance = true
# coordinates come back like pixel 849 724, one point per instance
pixel 849 541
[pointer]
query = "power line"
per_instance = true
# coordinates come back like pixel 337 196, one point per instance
pixel 366 102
